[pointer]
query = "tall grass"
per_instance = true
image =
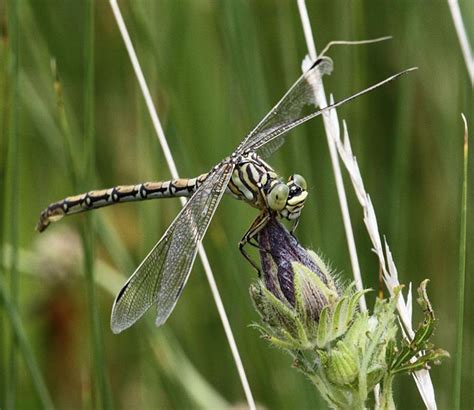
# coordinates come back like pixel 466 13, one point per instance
pixel 462 275
pixel 21 338
pixel 81 177
pixel 12 187
pixel 14 336
pixel 103 394
pixel 3 132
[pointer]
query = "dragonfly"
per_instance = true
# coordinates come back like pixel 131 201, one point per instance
pixel 160 278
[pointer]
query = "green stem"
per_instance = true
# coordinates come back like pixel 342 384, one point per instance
pixel 461 284
pixel 103 396
pixel 386 398
pixel 72 169
pixel 12 190
pixel 325 391
pixel 368 356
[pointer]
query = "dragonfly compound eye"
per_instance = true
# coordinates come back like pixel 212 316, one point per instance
pixel 278 196
pixel 299 181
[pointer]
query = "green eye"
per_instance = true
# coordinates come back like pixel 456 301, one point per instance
pixel 299 180
pixel 278 196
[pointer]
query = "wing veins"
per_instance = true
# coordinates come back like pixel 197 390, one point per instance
pixel 268 138
pixel 137 296
pixel 289 108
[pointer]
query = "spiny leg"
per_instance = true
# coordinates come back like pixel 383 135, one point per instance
pixel 251 235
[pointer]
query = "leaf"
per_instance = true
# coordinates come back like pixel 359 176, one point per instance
pixel 323 329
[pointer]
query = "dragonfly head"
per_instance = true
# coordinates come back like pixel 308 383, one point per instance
pixel 288 199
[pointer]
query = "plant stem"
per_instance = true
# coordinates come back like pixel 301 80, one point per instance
pixel 11 191
pixel 461 279
pixel 386 397
pixel 80 181
pixel 103 396
pixel 174 172
pixel 463 38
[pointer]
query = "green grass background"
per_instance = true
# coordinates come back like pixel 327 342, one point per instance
pixel 214 69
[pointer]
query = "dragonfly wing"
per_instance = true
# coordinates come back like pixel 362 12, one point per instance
pixel 266 142
pixel 161 276
pixel 288 110
pixel 270 147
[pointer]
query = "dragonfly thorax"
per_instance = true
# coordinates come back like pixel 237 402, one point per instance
pixel 255 182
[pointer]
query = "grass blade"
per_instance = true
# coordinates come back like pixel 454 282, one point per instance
pixel 462 277
pixel 25 348
pixel 330 129
pixel 463 38
pixel 11 196
pixel 103 396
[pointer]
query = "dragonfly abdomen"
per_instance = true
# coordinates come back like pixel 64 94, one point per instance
pixel 122 193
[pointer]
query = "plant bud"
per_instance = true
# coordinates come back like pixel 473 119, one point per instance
pixel 279 252
pixel 342 367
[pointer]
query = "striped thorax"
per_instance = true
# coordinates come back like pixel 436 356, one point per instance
pixel 256 182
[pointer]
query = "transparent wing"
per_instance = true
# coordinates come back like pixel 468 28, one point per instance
pixel 266 142
pixel 161 276
pixel 288 111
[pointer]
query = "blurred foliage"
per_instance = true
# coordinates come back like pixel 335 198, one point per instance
pixel 214 69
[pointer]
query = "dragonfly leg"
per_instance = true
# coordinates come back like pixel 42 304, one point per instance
pixel 253 242
pixel 250 238
pixel 295 225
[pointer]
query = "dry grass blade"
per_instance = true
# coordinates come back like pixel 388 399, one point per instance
pixel 331 123
pixel 462 36
pixel 387 265
pixel 169 159
pixel 352 43
pixel 329 127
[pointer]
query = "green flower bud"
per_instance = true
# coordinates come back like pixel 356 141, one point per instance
pixel 311 293
pixel 342 367
pixel 274 312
